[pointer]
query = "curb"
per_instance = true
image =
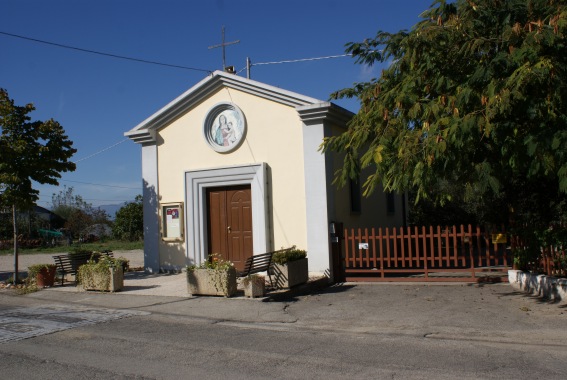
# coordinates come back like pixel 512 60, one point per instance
pixel 546 287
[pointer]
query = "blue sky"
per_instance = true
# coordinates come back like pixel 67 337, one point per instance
pixel 98 98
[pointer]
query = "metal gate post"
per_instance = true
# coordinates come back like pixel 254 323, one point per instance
pixel 336 237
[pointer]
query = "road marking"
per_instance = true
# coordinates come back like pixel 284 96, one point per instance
pixel 28 322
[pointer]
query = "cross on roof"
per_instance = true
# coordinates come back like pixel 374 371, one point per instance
pixel 223 45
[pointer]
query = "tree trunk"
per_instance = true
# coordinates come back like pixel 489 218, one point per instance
pixel 15 245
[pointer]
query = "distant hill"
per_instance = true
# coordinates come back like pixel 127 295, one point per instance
pixel 111 210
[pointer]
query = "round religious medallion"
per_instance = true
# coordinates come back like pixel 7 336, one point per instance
pixel 224 128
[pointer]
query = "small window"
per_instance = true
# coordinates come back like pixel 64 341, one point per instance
pixel 390 203
pixel 355 196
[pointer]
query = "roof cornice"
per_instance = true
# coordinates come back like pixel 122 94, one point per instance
pixel 145 132
pixel 324 112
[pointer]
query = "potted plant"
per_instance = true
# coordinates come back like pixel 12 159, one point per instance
pixel 43 274
pixel 290 267
pixel 214 277
pixel 125 264
pixel 106 274
pixel 254 285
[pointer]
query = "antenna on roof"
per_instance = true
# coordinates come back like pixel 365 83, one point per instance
pixel 223 45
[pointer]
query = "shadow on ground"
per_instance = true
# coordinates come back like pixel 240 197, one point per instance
pixel 532 297
pixel 320 286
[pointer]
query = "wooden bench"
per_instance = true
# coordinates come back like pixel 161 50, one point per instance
pixel 70 263
pixel 259 263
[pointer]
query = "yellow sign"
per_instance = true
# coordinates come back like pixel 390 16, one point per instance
pixel 499 238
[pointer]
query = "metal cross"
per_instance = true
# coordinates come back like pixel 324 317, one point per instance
pixel 223 45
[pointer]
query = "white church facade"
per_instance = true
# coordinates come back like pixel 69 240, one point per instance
pixel 232 166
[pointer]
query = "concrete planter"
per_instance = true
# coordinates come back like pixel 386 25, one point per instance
pixel 112 281
pixel 211 282
pixel 254 287
pixel 551 288
pixel 291 274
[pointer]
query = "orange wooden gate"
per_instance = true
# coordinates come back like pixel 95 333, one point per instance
pixel 425 254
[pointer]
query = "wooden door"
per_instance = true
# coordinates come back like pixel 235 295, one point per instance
pixel 230 223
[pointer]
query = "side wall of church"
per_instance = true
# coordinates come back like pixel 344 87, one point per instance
pixel 373 211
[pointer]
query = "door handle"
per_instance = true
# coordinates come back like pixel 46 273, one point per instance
pixel 229 229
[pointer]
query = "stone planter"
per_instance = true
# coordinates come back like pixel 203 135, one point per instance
pixel 291 274
pixel 547 287
pixel 254 287
pixel 112 281
pixel 211 282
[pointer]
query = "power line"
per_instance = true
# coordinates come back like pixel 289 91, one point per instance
pixel 104 54
pixel 99 184
pixel 100 151
pixel 250 64
pixel 96 199
pixel 107 200
pixel 301 60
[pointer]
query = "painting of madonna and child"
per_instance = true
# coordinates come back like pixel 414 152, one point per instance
pixel 227 129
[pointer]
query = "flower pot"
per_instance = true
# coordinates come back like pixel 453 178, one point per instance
pixel 111 281
pixel 254 288
pixel 46 277
pixel 291 274
pixel 211 282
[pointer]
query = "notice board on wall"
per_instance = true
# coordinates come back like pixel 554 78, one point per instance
pixel 172 221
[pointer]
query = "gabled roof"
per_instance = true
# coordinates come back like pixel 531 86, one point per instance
pixel 145 132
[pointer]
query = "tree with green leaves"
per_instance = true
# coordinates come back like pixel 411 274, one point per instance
pixel 80 216
pixel 65 202
pixel 129 222
pixel 30 151
pixel 475 95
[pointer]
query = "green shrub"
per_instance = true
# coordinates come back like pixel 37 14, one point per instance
pixel 288 255
pixel 102 266
pixel 33 270
pixel 80 252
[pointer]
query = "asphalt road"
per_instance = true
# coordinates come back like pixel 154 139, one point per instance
pixel 350 331
pixel 159 346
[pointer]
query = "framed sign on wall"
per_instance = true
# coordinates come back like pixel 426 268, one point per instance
pixel 172 221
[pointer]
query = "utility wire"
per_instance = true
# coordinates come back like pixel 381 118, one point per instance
pixel 294 61
pixel 94 199
pixel 99 184
pixel 301 60
pixel 161 63
pixel 102 53
pixel 100 151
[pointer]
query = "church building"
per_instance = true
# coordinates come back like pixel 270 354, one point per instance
pixel 232 166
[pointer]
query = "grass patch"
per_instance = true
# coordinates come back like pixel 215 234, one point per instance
pixel 112 245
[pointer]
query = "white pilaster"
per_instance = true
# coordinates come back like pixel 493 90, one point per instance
pixel 319 193
pixel 151 215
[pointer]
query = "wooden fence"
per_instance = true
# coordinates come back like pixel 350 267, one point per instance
pixel 426 254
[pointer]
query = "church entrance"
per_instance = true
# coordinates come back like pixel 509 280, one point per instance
pixel 229 228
